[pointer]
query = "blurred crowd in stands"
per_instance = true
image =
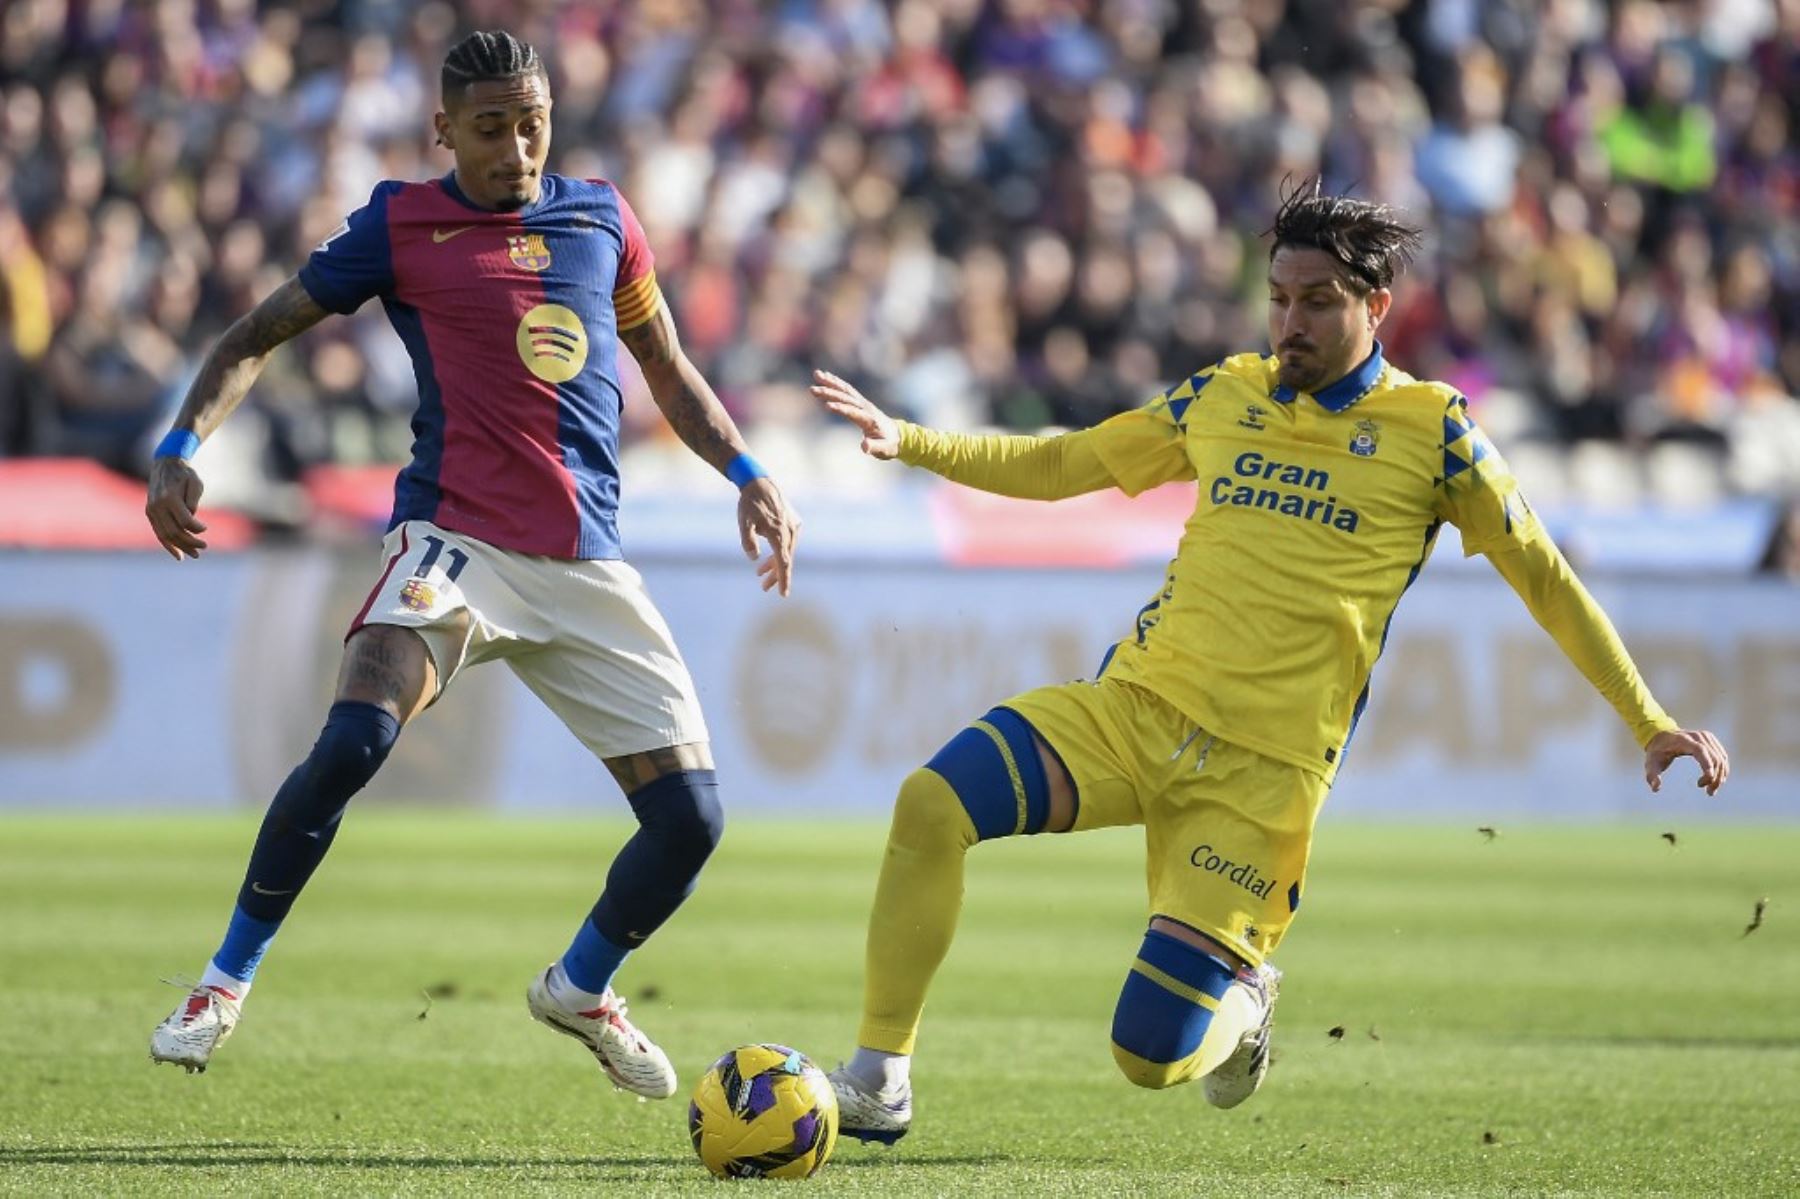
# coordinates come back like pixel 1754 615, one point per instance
pixel 1022 213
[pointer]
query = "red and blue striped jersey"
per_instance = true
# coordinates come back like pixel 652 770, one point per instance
pixel 512 323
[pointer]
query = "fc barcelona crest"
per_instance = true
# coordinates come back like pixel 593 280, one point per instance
pixel 1365 439
pixel 528 251
pixel 417 595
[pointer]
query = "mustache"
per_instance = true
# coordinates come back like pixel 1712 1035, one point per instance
pixel 1297 345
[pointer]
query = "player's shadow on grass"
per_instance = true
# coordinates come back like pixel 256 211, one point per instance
pixel 900 1157
pixel 203 1153
pixel 267 1153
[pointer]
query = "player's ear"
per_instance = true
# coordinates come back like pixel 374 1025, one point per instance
pixel 446 137
pixel 1380 300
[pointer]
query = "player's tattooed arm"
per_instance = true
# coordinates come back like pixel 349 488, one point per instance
pixel 239 355
pixel 223 382
pixel 686 399
pixel 694 412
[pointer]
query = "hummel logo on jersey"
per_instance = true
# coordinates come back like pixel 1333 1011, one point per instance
pixel 1253 415
pixel 440 236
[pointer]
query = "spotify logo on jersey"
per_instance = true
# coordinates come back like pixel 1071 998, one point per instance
pixel 552 343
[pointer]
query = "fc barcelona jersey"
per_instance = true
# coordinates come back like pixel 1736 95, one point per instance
pixel 511 320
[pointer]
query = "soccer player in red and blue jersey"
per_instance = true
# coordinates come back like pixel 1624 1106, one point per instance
pixel 511 288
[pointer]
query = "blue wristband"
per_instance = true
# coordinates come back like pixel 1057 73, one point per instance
pixel 743 468
pixel 178 443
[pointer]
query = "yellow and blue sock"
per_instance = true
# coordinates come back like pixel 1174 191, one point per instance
pixel 1178 1016
pixel 986 782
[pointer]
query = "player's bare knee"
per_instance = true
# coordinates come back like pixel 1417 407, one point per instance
pixel 388 667
pixel 1188 935
pixel 1061 815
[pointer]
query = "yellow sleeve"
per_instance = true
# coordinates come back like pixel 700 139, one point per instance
pixel 1133 451
pixel 1147 446
pixel 1477 492
pixel 1540 574
pixel 1028 468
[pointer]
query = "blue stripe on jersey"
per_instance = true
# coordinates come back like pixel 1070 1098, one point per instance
pixel 587 416
pixel 1362 700
pixel 416 491
pixel 355 262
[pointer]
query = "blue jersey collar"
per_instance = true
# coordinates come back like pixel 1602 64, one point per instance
pixel 1347 390
pixel 455 192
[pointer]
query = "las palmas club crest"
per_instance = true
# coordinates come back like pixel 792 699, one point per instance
pixel 1366 437
pixel 528 251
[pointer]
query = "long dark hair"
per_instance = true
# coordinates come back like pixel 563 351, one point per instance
pixel 1372 242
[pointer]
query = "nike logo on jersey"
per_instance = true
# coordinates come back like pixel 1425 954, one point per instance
pixel 439 236
pixel 262 890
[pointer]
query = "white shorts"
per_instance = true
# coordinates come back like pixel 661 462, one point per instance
pixel 582 634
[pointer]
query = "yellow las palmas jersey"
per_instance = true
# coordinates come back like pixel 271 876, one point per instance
pixel 1314 514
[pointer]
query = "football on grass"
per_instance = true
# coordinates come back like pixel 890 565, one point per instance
pixel 763 1111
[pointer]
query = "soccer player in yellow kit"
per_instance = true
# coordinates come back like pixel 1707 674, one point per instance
pixel 1218 722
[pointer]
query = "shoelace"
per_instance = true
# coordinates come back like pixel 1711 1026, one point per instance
pixel 608 1007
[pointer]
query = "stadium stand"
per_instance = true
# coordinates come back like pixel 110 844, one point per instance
pixel 1024 213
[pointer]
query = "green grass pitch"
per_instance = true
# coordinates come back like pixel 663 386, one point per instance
pixel 1553 1010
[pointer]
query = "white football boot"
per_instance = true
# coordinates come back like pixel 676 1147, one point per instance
pixel 1236 1078
pixel 630 1059
pixel 196 1028
pixel 870 1115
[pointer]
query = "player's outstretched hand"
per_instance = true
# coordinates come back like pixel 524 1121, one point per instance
pixel 174 497
pixel 762 512
pixel 1698 744
pixel 881 435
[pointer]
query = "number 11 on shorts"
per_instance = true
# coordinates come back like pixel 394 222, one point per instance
pixel 434 549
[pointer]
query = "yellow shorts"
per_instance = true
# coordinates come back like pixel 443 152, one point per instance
pixel 1227 830
pixel 582 634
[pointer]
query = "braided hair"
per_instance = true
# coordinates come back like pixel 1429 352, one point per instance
pixel 488 55
pixel 1371 242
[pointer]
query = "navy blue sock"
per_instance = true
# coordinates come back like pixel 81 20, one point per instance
pixel 303 819
pixel 679 823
